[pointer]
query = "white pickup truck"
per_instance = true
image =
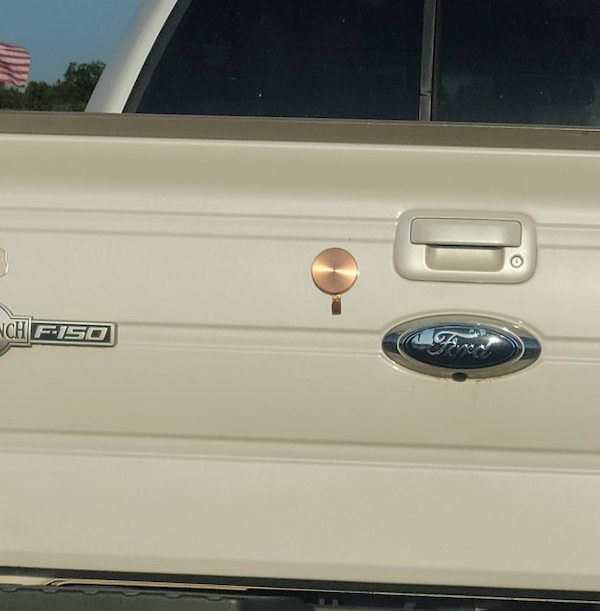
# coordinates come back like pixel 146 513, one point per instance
pixel 293 316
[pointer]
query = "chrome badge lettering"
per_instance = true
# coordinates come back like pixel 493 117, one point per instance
pixel 461 346
pixel 24 332
pixel 457 344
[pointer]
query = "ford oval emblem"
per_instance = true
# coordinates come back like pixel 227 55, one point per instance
pixel 461 347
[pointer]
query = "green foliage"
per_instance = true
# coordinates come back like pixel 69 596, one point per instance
pixel 71 93
pixel 11 98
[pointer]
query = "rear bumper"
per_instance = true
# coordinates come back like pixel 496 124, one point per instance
pixel 301 520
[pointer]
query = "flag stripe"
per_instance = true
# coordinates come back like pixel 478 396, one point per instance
pixel 14 50
pixel 23 70
pixel 15 58
pixel 8 44
pixel 14 64
pixel 6 53
pixel 13 72
pixel 8 63
pixel 13 80
pixel 12 75
pixel 18 68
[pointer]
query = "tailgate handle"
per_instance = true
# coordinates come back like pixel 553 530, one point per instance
pixel 465 247
pixel 469 233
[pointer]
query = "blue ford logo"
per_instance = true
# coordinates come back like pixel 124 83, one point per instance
pixel 461 347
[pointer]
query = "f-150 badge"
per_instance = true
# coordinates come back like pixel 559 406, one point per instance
pixel 24 332
pixel 461 347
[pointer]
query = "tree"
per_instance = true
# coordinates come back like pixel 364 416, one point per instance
pixel 38 96
pixel 11 98
pixel 77 85
pixel 72 92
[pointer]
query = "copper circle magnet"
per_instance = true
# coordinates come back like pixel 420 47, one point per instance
pixel 334 271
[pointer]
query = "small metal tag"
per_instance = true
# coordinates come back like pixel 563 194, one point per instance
pixel 24 332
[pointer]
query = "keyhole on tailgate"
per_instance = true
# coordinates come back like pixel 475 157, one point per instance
pixel 335 271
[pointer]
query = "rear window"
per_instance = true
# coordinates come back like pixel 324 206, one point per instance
pixel 499 61
pixel 307 58
pixel 518 61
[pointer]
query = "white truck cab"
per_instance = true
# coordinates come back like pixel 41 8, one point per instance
pixel 120 76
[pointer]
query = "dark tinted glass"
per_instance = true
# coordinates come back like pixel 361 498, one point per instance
pixel 290 58
pixel 519 61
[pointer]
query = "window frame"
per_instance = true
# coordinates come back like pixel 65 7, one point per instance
pixel 155 55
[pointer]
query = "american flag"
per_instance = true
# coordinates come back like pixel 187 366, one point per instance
pixel 14 65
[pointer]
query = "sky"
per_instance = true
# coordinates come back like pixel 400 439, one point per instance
pixel 56 32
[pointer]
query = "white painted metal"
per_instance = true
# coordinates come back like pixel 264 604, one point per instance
pixel 115 85
pixel 239 428
pixel 325 520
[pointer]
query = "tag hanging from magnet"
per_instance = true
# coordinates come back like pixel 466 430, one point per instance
pixel 336 305
pixel 334 271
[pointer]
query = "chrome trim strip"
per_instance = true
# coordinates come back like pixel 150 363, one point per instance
pixel 427 59
pixel 471 594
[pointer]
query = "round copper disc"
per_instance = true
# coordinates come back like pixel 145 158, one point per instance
pixel 334 271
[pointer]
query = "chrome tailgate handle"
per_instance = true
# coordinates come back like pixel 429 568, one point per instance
pixel 465 247
pixel 483 233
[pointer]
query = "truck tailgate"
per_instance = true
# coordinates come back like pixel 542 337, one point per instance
pixel 237 427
